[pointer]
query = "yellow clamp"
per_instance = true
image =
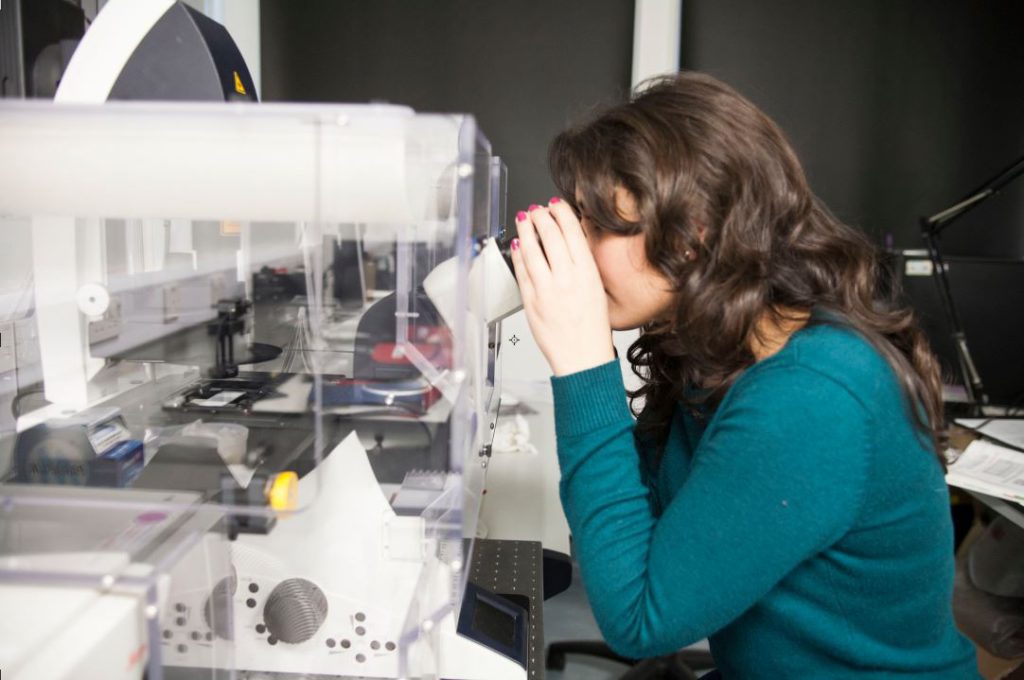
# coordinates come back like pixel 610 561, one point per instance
pixel 283 491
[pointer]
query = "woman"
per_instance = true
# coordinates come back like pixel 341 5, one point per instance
pixel 781 491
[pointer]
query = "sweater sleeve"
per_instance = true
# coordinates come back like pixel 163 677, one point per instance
pixel 778 476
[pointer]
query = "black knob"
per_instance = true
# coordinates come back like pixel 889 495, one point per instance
pixel 295 610
pixel 217 610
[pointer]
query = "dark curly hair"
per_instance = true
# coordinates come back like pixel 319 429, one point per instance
pixel 713 175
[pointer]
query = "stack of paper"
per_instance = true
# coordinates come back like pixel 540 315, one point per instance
pixel 989 468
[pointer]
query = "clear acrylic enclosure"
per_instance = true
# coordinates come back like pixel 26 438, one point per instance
pixel 223 385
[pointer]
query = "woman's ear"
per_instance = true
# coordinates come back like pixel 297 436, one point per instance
pixel 625 204
pixel 702 231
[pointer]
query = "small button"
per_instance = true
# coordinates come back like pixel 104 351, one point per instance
pixel 260 628
pixel 330 643
pixel 182 648
pixel 345 644
pixel 167 634
pixel 251 603
pixel 360 616
pixel 272 640
pixel 254 588
pixel 360 658
pixel 196 636
pixel 180 620
pixel 374 645
pixel 390 646
pixel 360 630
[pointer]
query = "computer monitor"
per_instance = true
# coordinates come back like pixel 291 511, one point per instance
pixel 987 293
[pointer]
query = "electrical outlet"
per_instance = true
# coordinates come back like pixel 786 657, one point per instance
pixel 108 326
pixel 7 356
pixel 217 289
pixel 26 342
pixel 172 302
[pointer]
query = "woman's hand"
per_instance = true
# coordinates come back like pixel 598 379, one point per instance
pixel 564 298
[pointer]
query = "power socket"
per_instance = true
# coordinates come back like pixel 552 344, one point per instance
pixel 26 342
pixel 171 302
pixel 8 360
pixel 217 289
pixel 108 326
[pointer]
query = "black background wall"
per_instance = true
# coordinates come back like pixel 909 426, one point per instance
pixel 897 109
pixel 523 68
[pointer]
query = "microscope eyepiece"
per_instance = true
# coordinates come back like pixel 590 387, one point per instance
pixel 504 243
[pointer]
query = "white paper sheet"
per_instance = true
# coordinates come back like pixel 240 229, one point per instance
pixel 991 469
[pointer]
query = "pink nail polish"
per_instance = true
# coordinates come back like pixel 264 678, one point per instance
pixel 533 207
pixel 520 216
pixel 515 244
pixel 554 199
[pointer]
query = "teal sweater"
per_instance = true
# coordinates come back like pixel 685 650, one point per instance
pixel 804 529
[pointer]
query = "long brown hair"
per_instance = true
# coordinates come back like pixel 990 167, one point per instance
pixel 729 219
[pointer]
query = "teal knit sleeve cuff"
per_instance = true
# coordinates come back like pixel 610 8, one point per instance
pixel 590 399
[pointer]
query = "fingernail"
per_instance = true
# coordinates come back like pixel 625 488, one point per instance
pixel 520 216
pixel 554 199
pixel 515 244
pixel 533 207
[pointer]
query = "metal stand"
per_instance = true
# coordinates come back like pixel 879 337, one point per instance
pixel 931 228
pixel 230 320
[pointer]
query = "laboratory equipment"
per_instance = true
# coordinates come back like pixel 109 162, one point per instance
pixel 127 227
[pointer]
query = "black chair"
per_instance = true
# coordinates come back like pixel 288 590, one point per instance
pixel 683 665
